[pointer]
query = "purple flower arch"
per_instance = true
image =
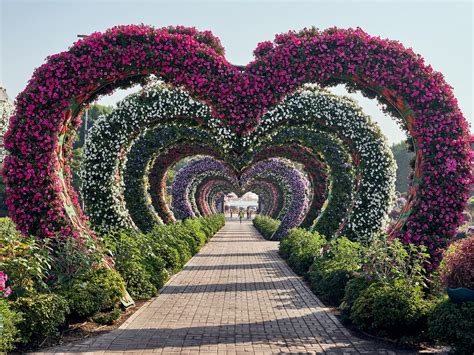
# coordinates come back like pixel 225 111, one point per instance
pixel 298 186
pixel 180 203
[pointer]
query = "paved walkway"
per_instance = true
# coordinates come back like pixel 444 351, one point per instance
pixel 237 295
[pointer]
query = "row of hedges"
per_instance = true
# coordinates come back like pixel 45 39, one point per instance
pixel 383 289
pixel 38 299
pixel 266 225
pixel 146 261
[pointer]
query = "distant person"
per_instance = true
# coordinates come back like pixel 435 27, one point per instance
pixel 230 213
pixel 241 215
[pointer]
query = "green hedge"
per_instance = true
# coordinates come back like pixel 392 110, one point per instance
pixel 266 225
pixel 42 316
pixel 146 261
pixel 392 310
pixel 330 273
pixel 301 248
pixel 143 262
pixel 381 288
pixel 95 291
pixel 453 324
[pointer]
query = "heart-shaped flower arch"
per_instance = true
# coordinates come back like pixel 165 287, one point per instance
pixel 40 200
pixel 294 184
pixel 316 108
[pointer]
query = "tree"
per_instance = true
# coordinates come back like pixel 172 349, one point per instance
pixel 95 111
pixel 403 156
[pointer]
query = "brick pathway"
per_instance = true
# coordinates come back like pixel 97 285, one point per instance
pixel 237 295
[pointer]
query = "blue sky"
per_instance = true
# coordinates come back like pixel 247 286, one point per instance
pixel 441 31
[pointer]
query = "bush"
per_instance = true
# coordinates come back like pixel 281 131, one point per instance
pixel 146 261
pixel 130 250
pixel 9 334
pixel 392 310
pixel 107 318
pixel 95 291
pixel 458 265
pixel 387 260
pixel 330 273
pixel 196 230
pixel 171 236
pixel 301 247
pixel 352 291
pixel 23 259
pixel 138 280
pixel 453 324
pixel 42 316
pixel 266 225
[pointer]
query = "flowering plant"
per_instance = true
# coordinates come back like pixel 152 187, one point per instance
pixel 180 190
pixel 297 187
pixel 111 138
pixel 6 109
pixel 313 166
pixel 4 290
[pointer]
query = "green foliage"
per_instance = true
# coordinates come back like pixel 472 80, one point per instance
pixel 8 332
pixel 330 273
pixel 95 291
pixel 388 260
pixel 301 247
pixel 453 324
pixel 73 258
pixel 145 261
pixel 266 225
pixel 95 111
pixel 198 233
pixel 42 316
pixel 172 236
pixel 76 162
pixel 131 252
pixel 107 318
pixel 352 291
pixel 403 157
pixel 392 310
pixel 23 259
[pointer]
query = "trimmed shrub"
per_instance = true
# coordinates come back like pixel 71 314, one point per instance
pixel 95 291
pixel 352 291
pixel 42 317
pixel 266 225
pixel 146 261
pixel 9 334
pixel 172 236
pixel 330 273
pixel 453 324
pixel 301 247
pixel 391 310
pixel 107 318
pixel 329 285
pixel 138 280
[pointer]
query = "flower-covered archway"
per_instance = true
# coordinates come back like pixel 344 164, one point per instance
pixel 41 200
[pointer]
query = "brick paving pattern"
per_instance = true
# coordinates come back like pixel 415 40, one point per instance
pixel 236 296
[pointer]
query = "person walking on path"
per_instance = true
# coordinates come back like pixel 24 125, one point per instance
pixel 241 215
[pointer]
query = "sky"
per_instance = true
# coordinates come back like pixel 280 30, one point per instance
pixel 441 31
